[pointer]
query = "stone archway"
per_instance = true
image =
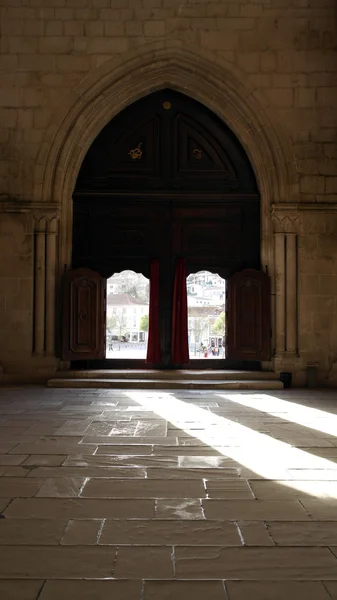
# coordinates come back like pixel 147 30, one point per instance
pixel 201 75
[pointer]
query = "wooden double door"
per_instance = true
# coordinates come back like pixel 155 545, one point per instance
pixel 166 179
pixel 209 236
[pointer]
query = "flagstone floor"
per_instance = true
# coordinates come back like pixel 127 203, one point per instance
pixel 150 495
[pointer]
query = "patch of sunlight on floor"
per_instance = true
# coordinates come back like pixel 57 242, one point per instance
pixel 258 452
pixel 306 416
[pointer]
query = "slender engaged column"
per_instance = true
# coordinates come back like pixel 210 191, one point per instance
pixel 280 291
pixel 50 287
pixel 40 271
pixel 291 306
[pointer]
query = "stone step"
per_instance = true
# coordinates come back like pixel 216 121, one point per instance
pixel 183 374
pixel 169 384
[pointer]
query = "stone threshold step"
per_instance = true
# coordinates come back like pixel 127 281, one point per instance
pixel 152 374
pixel 191 384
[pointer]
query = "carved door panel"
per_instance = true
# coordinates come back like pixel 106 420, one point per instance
pixel 249 316
pixel 83 315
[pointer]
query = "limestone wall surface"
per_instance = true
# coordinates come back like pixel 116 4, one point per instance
pixel 283 53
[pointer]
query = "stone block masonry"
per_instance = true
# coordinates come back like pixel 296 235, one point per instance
pixel 282 51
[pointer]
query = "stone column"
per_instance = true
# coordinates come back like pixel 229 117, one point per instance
pixel 291 292
pixel 50 286
pixel 39 286
pixel 280 299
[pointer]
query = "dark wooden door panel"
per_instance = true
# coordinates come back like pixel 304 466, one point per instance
pixel 248 316
pixel 111 236
pixel 167 141
pixel 83 315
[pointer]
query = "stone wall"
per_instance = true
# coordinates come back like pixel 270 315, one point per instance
pixel 283 52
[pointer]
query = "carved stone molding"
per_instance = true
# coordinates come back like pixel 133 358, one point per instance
pixel 286 222
pixel 286 291
pixel 47 225
pixel 15 204
pixel 45 258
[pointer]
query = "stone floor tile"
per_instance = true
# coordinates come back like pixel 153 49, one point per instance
pixel 18 487
pixel 315 533
pixel 297 503
pixel 12 459
pixel 200 462
pixel 183 590
pixel 254 533
pixel 130 450
pixel 186 509
pixel 125 428
pixel 321 510
pixel 147 562
pixel 90 590
pixel 255 563
pixel 79 508
pixel 47 562
pixel 74 427
pixel 43 460
pixel 42 429
pixel 16 422
pixel 53 448
pixel 16 471
pixel 277 590
pixel 288 490
pixel 329 453
pixel 122 441
pixel 254 510
pixel 7 432
pixel 163 532
pixel 186 450
pixel 151 428
pixel 61 440
pixel 7 446
pixel 182 473
pixel 66 487
pixel 14 440
pixel 20 590
pixel 313 474
pixel 31 531
pixel 4 503
pixel 101 460
pixel 331 587
pixel 110 472
pixel 142 488
pixel 83 532
pixel 228 489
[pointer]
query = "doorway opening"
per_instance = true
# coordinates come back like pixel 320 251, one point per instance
pixel 206 304
pixel 166 181
pixel 127 315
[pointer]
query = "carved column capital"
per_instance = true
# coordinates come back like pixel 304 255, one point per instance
pixel 40 224
pixel 52 225
pixel 286 221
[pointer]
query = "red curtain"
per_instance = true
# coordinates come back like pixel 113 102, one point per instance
pixel 153 345
pixel 180 354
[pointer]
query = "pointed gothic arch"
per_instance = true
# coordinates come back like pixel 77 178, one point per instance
pixel 199 73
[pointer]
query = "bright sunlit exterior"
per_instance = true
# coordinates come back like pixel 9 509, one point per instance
pixel 127 315
pixel 206 301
